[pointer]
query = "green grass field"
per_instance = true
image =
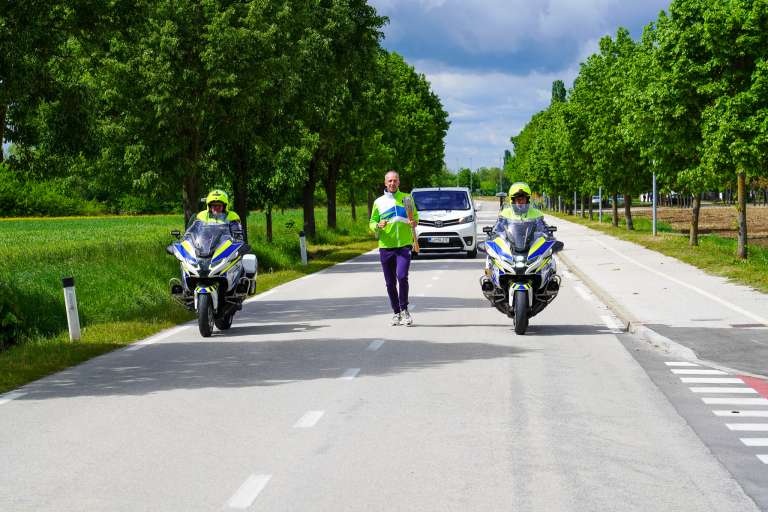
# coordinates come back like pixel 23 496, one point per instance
pixel 121 273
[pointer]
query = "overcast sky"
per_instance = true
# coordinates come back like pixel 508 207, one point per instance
pixel 492 62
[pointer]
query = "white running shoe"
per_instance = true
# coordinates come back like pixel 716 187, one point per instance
pixel 395 319
pixel 406 318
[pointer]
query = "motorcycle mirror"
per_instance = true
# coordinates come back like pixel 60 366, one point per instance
pixel 558 246
pixel 481 247
pixel 551 229
pixel 487 230
pixel 176 233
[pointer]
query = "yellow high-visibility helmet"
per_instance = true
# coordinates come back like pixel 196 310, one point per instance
pixel 519 188
pixel 217 196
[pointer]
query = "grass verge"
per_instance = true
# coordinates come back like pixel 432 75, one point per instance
pixel 121 275
pixel 714 254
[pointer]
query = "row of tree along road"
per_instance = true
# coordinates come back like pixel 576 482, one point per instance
pixel 134 106
pixel 687 102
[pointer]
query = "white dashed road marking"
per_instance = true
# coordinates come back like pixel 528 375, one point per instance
pixel 748 427
pixel 248 492
pixel 763 458
pixel 698 372
pixel 755 441
pixel 742 413
pixel 680 363
pixel 309 420
pixel 711 380
pixel 724 389
pixel 735 401
pixel 350 373
pixel 375 345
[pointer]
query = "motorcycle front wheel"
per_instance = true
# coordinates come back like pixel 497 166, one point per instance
pixel 205 315
pixel 521 312
pixel 224 322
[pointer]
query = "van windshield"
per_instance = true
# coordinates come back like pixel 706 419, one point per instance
pixel 441 200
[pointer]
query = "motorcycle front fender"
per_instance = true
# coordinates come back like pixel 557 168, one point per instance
pixel 211 290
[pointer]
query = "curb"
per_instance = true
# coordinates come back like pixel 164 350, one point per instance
pixel 631 324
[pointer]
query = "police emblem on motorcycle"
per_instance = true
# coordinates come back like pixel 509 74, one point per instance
pixel 438 223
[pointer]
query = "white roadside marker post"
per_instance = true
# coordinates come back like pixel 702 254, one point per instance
pixel 303 247
pixel 70 302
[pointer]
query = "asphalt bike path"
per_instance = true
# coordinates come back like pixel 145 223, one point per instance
pixel 313 402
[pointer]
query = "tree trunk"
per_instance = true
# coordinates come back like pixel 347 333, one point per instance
pixel 3 109
pixel 240 184
pixel 742 209
pixel 370 203
pixel 352 202
pixel 591 210
pixel 615 220
pixel 268 215
pixel 330 192
pixel 190 194
pixel 309 198
pixel 628 211
pixel 582 206
pixel 694 234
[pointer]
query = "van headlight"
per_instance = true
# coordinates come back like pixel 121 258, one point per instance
pixel 467 219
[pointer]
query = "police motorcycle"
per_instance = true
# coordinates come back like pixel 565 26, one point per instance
pixel 217 273
pixel 520 273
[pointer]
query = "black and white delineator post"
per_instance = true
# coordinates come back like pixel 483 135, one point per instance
pixel 303 247
pixel 70 302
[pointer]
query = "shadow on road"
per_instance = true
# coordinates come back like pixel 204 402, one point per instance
pixel 371 263
pixel 233 364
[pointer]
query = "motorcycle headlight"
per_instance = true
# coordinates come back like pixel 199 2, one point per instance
pixel 467 219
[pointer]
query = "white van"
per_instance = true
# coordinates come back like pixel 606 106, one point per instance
pixel 447 220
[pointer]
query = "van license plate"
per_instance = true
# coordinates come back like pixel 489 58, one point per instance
pixel 439 239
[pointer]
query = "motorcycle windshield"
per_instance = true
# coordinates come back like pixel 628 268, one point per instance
pixel 520 233
pixel 207 237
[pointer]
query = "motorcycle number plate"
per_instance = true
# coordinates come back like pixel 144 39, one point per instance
pixel 439 239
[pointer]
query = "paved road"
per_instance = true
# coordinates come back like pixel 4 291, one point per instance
pixel 313 402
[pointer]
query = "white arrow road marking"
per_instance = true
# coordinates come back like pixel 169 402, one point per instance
pixel 248 492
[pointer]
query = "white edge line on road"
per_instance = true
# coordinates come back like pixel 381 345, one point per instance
pixel 708 295
pixel 723 389
pixel 154 339
pixel 249 491
pixel 755 441
pixel 711 380
pixel 748 427
pixel 350 374
pixel 763 458
pixel 744 413
pixel 734 401
pixel 699 372
pixel 680 363
pixel 13 395
pixel 309 419
pixel 375 345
